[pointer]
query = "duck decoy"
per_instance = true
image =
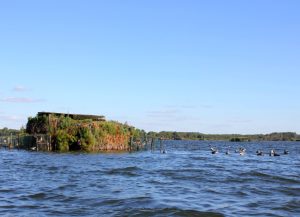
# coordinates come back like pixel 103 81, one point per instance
pixel 242 151
pixel 259 153
pixel 273 153
pixel 214 150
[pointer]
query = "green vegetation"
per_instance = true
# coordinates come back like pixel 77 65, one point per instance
pixel 68 134
pixel 37 125
pixel 6 132
pixel 286 136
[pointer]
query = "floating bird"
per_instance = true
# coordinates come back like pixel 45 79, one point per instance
pixel 214 150
pixel 286 151
pixel 259 153
pixel 273 153
pixel 228 151
pixel 242 151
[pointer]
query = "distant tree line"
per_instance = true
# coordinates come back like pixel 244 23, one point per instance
pixel 284 136
pixel 60 128
pixel 6 132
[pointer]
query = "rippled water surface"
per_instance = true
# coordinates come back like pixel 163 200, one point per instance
pixel 186 181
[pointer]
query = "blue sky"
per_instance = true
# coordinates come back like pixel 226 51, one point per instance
pixel 205 66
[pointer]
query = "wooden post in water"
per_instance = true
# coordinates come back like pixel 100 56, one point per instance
pixel 36 143
pixel 152 144
pixel 10 144
pixel 160 145
pixel 145 138
pixel 18 145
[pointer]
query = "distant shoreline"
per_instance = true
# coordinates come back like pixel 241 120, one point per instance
pixel 173 135
pixel 277 136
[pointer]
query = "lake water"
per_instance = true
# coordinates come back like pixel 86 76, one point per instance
pixel 186 181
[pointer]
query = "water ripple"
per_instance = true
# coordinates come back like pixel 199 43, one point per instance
pixel 187 181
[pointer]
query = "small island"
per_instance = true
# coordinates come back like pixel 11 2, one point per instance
pixel 49 131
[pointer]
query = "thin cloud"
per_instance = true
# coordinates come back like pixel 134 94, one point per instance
pixel 172 115
pixel 21 100
pixel 189 107
pixel 12 118
pixel 189 118
pixel 20 88
pixel 181 107
pixel 206 106
pixel 154 125
pixel 121 118
pixel 163 113
pixel 240 121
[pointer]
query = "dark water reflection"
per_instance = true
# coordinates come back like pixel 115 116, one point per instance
pixel 187 181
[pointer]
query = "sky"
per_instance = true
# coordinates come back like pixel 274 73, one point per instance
pixel 209 66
